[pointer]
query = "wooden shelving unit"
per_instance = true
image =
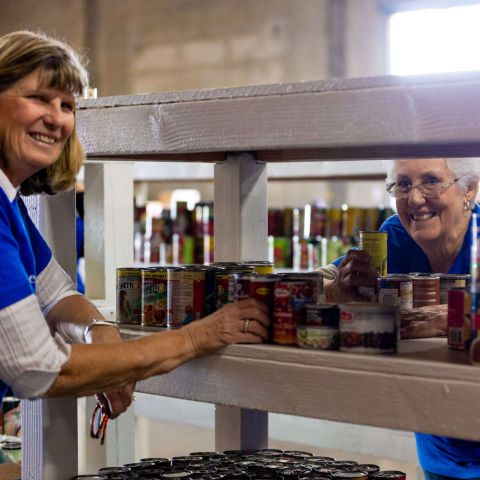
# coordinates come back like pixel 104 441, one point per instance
pixel 425 387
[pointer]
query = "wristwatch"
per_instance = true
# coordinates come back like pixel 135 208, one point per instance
pixel 93 323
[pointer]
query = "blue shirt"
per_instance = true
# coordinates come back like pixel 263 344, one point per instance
pixel 23 255
pixel 437 454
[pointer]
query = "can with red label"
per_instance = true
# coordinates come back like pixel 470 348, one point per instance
pixel 291 298
pixel 262 288
pixel 154 296
pixel 458 319
pixel 129 295
pixel 186 295
pixel 426 290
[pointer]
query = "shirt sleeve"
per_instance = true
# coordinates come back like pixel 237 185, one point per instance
pixel 30 358
pixel 53 284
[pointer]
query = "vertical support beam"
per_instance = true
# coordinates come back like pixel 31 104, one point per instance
pixel 50 426
pixel 240 429
pixel 108 245
pixel 108 226
pixel 336 21
pixel 240 201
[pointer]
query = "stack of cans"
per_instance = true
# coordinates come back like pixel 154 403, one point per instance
pixel 269 464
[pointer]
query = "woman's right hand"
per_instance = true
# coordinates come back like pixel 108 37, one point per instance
pixel 246 321
pixel 354 271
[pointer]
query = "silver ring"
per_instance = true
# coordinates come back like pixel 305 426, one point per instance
pixel 245 325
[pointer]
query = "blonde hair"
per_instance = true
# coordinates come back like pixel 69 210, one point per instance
pixel 23 52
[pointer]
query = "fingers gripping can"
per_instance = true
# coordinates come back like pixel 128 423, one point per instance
pixel 375 245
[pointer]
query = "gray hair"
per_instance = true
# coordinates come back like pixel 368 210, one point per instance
pixel 466 169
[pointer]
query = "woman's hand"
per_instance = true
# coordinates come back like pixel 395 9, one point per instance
pixel 118 400
pixel 424 322
pixel 354 271
pixel 246 321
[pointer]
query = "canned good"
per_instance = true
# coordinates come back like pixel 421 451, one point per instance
pixel 375 245
pixel 368 328
pixel 261 267
pixel 89 477
pixel 129 295
pixel 239 286
pixel 290 300
pixel 262 288
pixel 318 337
pixel 426 290
pixel 186 295
pixel 389 475
pixel 342 475
pixel 367 467
pixel 154 296
pixel 395 290
pixel 221 284
pixel 458 319
pixel 322 315
pixel 449 281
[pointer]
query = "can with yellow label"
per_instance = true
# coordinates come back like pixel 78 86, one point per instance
pixel 375 245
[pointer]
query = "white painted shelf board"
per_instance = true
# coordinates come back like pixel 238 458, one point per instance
pixel 377 117
pixel 425 387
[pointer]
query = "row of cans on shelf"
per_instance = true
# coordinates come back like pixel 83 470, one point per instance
pixel 415 289
pixel 351 327
pixel 174 296
pixel 272 464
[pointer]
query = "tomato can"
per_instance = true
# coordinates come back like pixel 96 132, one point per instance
pixel 154 296
pixel 395 290
pixel 449 281
pixel 290 300
pixel 375 245
pixel 458 319
pixel 426 290
pixel 129 295
pixel 317 337
pixel 366 328
pixel 186 295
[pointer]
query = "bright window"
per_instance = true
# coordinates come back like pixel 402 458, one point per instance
pixel 435 40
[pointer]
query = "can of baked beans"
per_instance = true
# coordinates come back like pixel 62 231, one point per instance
pixel 154 296
pixel 366 328
pixel 396 290
pixel 449 281
pixel 290 300
pixel 458 319
pixel 375 245
pixel 129 295
pixel 186 295
pixel 426 289
pixel 322 315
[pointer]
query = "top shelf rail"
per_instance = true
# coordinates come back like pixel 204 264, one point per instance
pixel 363 118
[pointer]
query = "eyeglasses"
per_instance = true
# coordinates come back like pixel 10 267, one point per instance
pixel 429 189
pixel 98 425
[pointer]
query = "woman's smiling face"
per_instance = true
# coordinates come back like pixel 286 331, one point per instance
pixel 434 219
pixel 35 124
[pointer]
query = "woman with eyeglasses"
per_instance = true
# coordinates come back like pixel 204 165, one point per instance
pixel 431 232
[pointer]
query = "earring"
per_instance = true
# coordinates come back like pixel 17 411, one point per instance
pixel 466 205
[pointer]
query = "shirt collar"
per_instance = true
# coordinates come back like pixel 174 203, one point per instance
pixel 7 187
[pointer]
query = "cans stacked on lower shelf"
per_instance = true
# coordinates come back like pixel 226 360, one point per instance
pixel 269 464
